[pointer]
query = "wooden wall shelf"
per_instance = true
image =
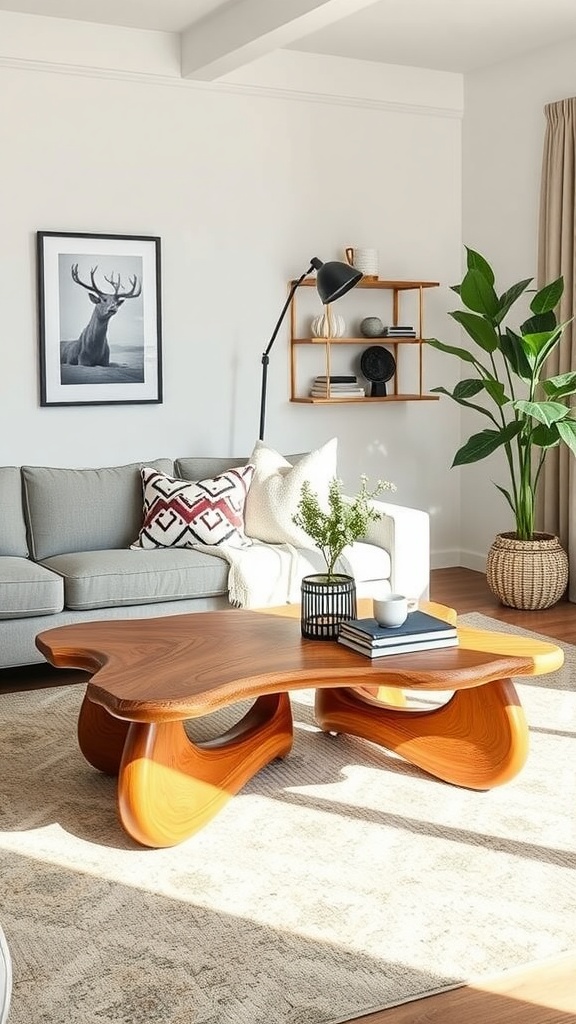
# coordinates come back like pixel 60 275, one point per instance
pixel 395 344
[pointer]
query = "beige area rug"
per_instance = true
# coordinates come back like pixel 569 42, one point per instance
pixel 340 881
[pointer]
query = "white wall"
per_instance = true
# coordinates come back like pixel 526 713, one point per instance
pixel 503 137
pixel 244 185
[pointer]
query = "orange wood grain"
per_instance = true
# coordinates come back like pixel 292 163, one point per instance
pixel 169 787
pixel 478 739
pixel 101 737
pixel 151 674
pixel 184 666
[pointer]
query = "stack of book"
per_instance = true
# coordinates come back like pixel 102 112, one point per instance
pixel 337 387
pixel 420 632
pixel 399 331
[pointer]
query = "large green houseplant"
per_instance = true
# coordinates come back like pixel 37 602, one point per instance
pixel 528 413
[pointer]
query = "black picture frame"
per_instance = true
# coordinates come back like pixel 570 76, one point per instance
pixel 99 317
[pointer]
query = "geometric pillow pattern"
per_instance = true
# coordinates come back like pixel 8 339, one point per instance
pixel 182 513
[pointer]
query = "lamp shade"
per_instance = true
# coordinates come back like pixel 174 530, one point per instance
pixel 334 279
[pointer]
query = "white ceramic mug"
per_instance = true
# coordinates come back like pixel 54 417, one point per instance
pixel 392 610
pixel 365 260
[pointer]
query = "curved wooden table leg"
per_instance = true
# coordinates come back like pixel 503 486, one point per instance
pixel 101 737
pixel 169 787
pixel 478 739
pixel 391 695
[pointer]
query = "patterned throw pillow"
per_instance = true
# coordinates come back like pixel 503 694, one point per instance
pixel 182 513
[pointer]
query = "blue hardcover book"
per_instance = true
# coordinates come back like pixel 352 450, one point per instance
pixel 418 626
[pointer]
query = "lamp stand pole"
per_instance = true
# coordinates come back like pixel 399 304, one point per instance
pixel 266 353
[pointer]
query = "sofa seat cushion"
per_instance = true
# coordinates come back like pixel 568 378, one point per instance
pixel 27 589
pixel 111 579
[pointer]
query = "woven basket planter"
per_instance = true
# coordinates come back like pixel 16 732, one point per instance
pixel 527 574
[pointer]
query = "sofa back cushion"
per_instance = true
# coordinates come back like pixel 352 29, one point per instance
pixel 207 466
pixel 84 509
pixel 198 469
pixel 12 522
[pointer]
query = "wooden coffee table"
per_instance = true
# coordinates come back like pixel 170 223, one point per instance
pixel 150 675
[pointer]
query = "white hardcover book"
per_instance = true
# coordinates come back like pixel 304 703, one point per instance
pixel 407 648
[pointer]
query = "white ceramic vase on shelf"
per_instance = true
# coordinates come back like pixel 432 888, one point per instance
pixel 328 325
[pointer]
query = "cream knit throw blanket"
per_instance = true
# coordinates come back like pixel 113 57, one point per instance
pixel 264 575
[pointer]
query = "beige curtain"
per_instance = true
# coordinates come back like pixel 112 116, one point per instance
pixel 556 510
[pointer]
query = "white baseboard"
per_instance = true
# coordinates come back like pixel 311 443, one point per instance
pixel 462 559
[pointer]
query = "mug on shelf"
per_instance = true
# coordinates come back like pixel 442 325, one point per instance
pixel 392 609
pixel 365 260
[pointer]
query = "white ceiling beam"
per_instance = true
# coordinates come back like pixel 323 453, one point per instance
pixel 244 30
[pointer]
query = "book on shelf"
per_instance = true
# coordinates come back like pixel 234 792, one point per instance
pixel 320 392
pixel 341 378
pixel 410 647
pixel 336 387
pixel 418 626
pixel 387 333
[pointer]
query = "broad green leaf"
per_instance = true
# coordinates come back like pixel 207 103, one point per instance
pixel 507 300
pixel 462 353
pixel 479 446
pixel 561 386
pixel 467 388
pixel 545 437
pixel 567 431
pixel 535 344
pixel 455 288
pixel 549 346
pixel 548 297
pixel 544 412
pixel 540 322
pixel 480 330
pixel 463 401
pixel 478 294
pixel 511 348
pixel 495 389
pixel 475 261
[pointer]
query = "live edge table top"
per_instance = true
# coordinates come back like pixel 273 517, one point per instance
pixel 149 675
pixel 184 666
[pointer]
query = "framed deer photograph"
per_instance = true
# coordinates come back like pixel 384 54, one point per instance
pixel 99 319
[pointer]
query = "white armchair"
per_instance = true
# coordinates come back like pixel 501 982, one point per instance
pixel 405 534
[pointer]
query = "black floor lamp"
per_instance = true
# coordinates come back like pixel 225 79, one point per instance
pixel 333 279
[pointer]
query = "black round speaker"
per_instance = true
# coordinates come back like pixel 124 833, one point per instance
pixel 378 366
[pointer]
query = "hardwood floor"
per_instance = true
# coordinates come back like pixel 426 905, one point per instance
pixel 544 993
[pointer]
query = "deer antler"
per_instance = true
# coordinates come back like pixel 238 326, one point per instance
pixel 90 287
pixel 114 280
pixel 134 283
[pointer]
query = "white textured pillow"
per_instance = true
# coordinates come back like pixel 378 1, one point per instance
pixel 276 490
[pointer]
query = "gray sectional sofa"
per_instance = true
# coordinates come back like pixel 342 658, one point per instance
pixel 65 554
